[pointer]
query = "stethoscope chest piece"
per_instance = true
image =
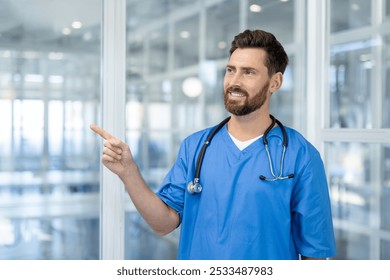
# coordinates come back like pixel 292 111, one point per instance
pixel 194 187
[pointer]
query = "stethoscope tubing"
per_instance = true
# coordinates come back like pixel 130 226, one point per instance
pixel 194 186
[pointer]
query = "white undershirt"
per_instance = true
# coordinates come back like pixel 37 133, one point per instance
pixel 241 145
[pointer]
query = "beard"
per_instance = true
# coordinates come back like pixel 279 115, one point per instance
pixel 250 104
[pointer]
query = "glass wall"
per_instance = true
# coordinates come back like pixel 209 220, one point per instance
pixel 49 94
pixel 175 70
pixel 356 150
pixel 175 63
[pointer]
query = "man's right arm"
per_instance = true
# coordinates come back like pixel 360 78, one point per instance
pixel 117 158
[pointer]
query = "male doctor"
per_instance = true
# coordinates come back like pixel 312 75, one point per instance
pixel 238 215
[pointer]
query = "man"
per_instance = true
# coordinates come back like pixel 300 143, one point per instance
pixel 244 210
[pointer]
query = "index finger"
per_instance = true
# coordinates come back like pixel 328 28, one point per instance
pixel 100 131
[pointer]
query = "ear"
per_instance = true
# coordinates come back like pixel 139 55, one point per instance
pixel 276 82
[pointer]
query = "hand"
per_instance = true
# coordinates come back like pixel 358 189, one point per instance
pixel 116 156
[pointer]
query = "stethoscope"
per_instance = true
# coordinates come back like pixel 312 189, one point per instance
pixel 195 187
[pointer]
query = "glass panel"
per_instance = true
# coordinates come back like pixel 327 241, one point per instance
pixel 349 166
pixel 28 134
pixel 285 98
pixel 6 129
pixel 212 81
pixel 262 16
pixel 158 156
pixel 49 94
pixel 49 238
pixel 350 71
pixel 187 42
pixel 352 246
pixel 188 105
pixel 387 14
pixel 385 197
pixel 349 14
pixel 158 58
pixel 385 250
pixel 386 79
pixel 175 87
pixel 142 244
pixel 218 39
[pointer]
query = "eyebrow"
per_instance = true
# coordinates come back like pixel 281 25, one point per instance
pixel 243 68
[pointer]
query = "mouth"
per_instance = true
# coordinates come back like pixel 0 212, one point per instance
pixel 237 94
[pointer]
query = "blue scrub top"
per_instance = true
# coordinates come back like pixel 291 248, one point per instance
pixel 239 216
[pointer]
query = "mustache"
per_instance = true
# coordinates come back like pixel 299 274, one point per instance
pixel 236 89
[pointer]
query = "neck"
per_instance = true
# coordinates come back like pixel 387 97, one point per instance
pixel 249 126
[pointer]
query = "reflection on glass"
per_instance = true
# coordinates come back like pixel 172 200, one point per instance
pixel 261 16
pixel 351 190
pixel 352 246
pixel 350 72
pixel 349 14
pixel 49 94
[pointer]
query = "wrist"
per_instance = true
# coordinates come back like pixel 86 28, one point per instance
pixel 129 172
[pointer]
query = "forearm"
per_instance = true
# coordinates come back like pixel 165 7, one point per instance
pixel 161 218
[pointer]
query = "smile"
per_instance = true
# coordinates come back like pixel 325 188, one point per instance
pixel 237 94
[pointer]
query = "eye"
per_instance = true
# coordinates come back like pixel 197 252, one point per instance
pixel 229 70
pixel 249 72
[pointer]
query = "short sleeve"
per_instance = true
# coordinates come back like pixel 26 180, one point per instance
pixel 173 188
pixel 312 225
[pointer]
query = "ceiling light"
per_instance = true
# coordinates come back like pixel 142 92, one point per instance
pixel 77 24
pixel 355 7
pixel 5 54
pixel 33 78
pixel 254 8
pixel 56 79
pixel 222 45
pixel 192 87
pixel 66 31
pixel 55 56
pixel 87 36
pixel 185 34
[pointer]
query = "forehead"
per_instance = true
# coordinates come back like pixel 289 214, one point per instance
pixel 248 57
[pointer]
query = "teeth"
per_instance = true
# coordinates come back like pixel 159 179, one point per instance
pixel 238 94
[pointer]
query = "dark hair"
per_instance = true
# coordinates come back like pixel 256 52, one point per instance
pixel 277 58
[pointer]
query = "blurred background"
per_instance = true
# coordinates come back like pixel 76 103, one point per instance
pixel 176 52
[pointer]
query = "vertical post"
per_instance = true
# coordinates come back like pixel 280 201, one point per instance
pixel 112 210
pixel 316 70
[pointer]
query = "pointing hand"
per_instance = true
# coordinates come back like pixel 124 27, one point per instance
pixel 116 156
